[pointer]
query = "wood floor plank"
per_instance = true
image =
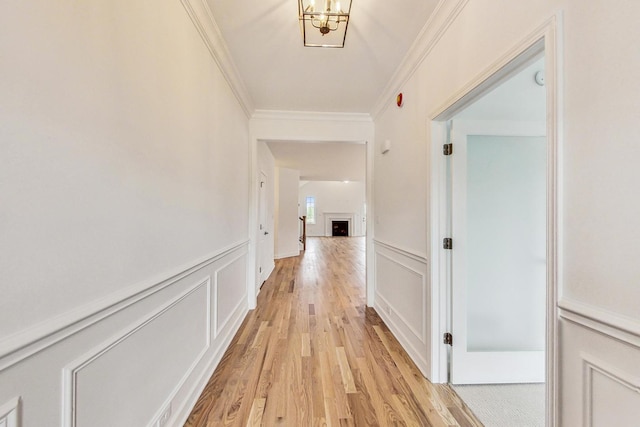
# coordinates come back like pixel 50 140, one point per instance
pixel 257 409
pixel 345 371
pixel 313 354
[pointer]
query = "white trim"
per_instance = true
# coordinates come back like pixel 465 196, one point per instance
pixel 551 32
pixel 31 341
pixel 421 335
pixel 589 366
pixel 287 254
pixel 202 18
pixel 442 17
pixel 70 372
pixel 370 273
pixel 217 328
pixel 10 413
pixel 545 35
pixel 416 256
pixel 182 412
pixel 417 355
pixel 611 324
pixel 310 116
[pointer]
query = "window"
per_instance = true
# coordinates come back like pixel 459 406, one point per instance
pixel 311 210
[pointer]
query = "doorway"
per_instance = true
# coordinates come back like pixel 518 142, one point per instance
pixel 263 232
pixel 496 202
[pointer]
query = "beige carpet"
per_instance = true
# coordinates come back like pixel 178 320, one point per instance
pixel 505 405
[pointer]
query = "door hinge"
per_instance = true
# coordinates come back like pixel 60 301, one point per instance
pixel 448 338
pixel 260 270
pixel 447 243
pixel 447 149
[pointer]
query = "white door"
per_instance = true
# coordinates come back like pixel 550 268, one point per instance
pixel 263 232
pixel 498 227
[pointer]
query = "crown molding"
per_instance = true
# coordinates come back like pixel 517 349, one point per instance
pixel 311 116
pixel 444 14
pixel 202 18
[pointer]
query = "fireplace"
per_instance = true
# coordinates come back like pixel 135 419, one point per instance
pixel 330 218
pixel 340 228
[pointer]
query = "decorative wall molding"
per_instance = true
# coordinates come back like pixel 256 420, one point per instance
pixel 202 18
pixel 72 371
pixel 183 409
pixel 311 116
pixel 597 319
pixel 416 256
pixel 414 338
pixel 42 336
pixel 10 413
pixel 217 328
pixel 417 355
pixel 591 365
pixel 422 334
pixel 445 13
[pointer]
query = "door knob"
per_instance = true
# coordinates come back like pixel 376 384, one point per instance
pixel 266 232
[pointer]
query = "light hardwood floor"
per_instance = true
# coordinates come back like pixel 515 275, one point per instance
pixel 313 354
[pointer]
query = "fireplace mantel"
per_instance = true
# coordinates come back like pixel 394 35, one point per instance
pixel 329 217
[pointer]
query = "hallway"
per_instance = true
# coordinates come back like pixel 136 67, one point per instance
pixel 312 353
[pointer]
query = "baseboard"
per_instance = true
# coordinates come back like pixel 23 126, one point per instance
pixel 401 299
pixel 184 410
pixel 172 335
pixel 417 355
pixel 287 254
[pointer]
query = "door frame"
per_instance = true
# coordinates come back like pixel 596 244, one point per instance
pixel 262 210
pixel 309 127
pixel 543 40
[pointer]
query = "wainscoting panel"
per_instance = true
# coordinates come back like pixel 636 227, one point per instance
pixel 157 352
pixel 599 372
pixel 144 355
pixel 402 297
pixel 229 294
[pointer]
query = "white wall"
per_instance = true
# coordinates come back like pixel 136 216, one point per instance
pixel 124 186
pixel 597 171
pixel 334 197
pixel 287 222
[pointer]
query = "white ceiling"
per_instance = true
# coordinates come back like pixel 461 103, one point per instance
pixel 331 161
pixel 265 42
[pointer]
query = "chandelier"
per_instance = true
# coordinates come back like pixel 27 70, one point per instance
pixel 324 24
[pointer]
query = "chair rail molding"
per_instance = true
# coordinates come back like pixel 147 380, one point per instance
pixel 25 344
pixel 416 256
pixel 614 325
pixel 72 371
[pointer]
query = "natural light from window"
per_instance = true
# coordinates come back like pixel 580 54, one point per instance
pixel 311 210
